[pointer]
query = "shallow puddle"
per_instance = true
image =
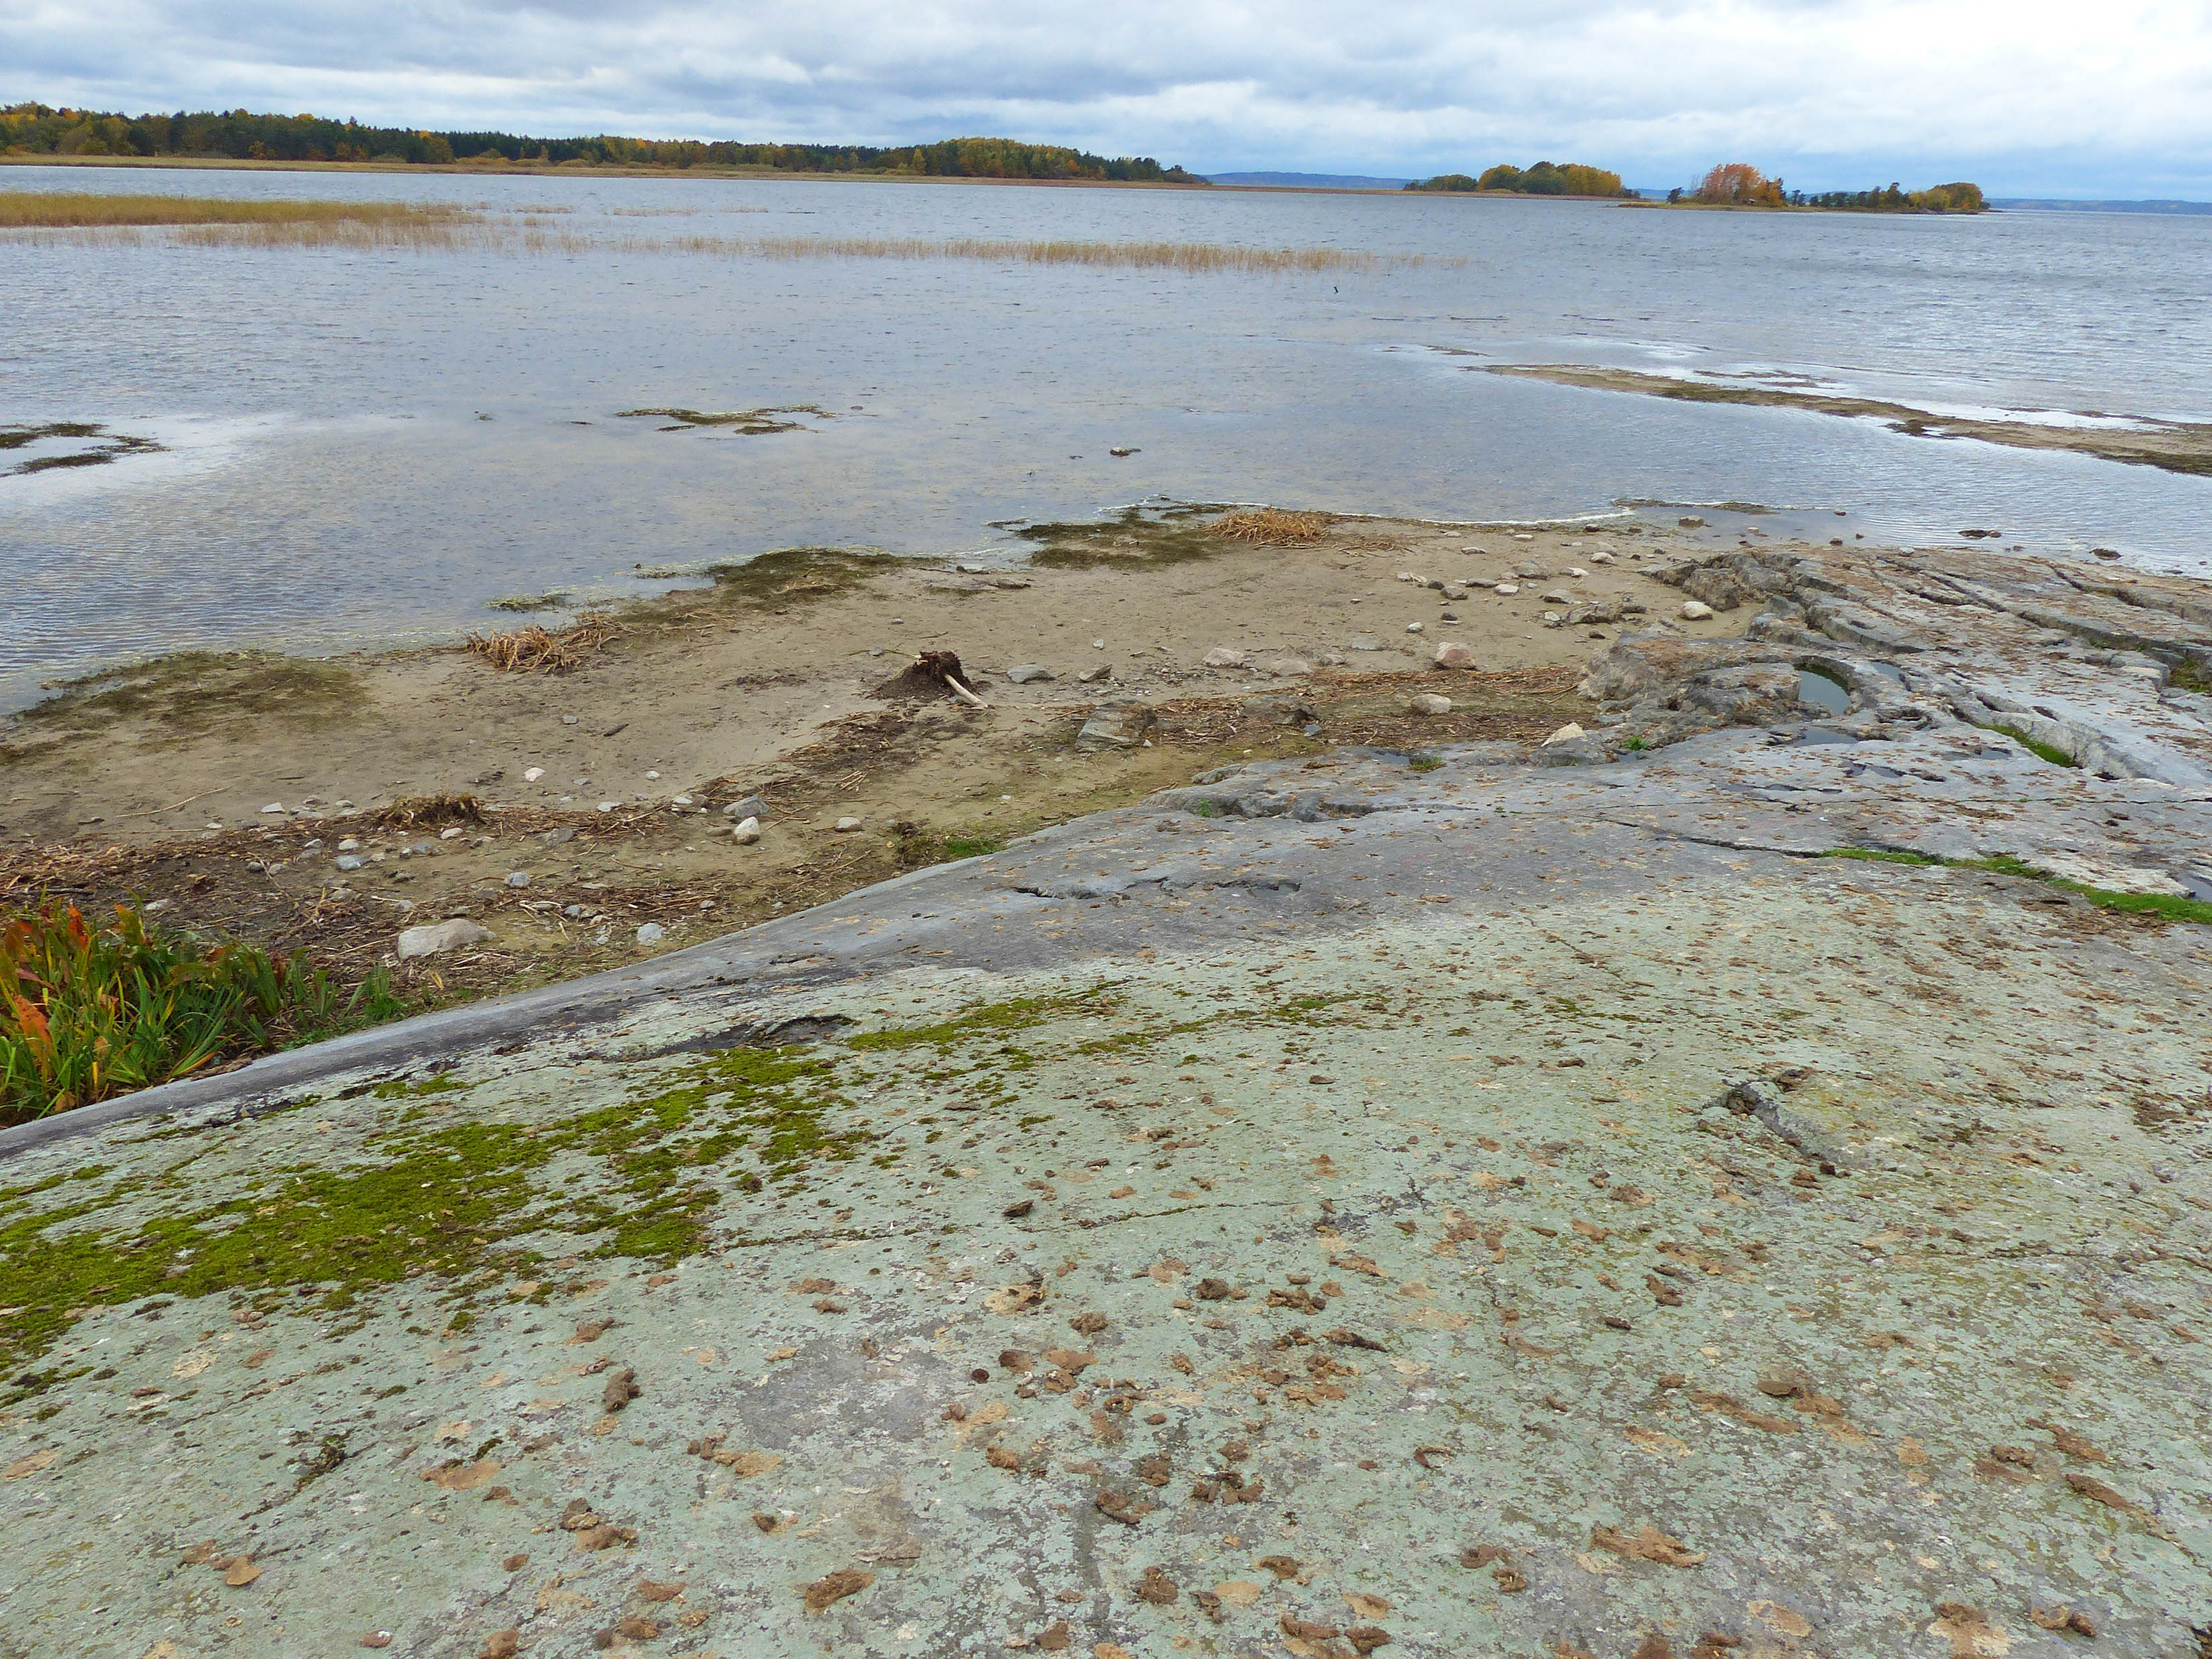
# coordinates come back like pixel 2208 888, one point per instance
pixel 1822 692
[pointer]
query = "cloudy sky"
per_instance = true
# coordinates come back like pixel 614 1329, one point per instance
pixel 2026 96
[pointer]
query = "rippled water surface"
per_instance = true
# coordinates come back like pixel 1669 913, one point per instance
pixel 356 446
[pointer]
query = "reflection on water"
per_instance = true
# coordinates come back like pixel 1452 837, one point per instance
pixel 1821 692
pixel 360 445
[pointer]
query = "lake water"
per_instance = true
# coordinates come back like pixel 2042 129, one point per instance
pixel 361 448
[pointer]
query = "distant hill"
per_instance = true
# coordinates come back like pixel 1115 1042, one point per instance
pixel 2106 207
pixel 1311 181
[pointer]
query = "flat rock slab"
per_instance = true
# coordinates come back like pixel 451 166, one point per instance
pixel 1375 1199
pixel 1509 1209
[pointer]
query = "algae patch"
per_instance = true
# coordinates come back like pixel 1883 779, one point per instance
pixel 192 691
pixel 745 422
pixel 101 446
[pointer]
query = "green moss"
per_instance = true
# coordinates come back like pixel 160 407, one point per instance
pixel 452 1203
pixel 2172 906
pixel 1011 1016
pixel 1424 762
pixel 2041 750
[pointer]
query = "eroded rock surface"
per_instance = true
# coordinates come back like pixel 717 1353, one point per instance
pixel 1496 1207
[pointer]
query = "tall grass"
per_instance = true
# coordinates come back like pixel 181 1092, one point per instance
pixel 88 1012
pixel 42 210
pixel 211 222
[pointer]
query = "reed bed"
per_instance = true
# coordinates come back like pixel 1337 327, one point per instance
pixel 1271 526
pixel 215 222
pixel 89 210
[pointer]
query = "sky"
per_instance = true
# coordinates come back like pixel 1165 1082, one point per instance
pixel 2026 97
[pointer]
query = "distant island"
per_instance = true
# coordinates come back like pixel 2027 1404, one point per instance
pixel 39 130
pixel 1544 178
pixel 1740 185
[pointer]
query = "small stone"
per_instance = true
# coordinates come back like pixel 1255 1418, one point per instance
pixel 753 806
pixel 1363 642
pixel 1097 645
pixel 679 800
pixel 1454 590
pixel 1601 557
pixel 1104 671
pixel 1224 656
pixel 1559 596
pixel 609 805
pixel 349 845
pixel 453 834
pixel 274 806
pixel 1576 572
pixel 747 832
pixel 351 860
pixel 652 933
pixel 569 719
pixel 1696 610
pixel 1428 704
pixel 1416 627
pixel 1507 588
pixel 845 826
pixel 533 775
pixel 574 912
pixel 518 878
pixel 1453 654
pixel 1025 673
pixel 651 775
pixel 1289 666
pixel 1567 733
pixel 438 937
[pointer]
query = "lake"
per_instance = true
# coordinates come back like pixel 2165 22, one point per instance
pixel 365 447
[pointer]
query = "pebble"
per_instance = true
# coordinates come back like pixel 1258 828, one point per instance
pixel 753 806
pixel 1567 733
pixel 274 806
pixel 652 774
pixel 349 845
pixel 574 912
pixel 1289 666
pixel 429 941
pixel 453 834
pixel 1416 627
pixel 845 826
pixel 1453 654
pixel 1025 673
pixel 1097 645
pixel 569 720
pixel 652 933
pixel 351 860
pixel 609 805
pixel 1104 671
pixel 1364 643
pixel 1559 596
pixel 533 775
pixel 1428 704
pixel 1601 557
pixel 518 878
pixel 681 800
pixel 1225 656
pixel 1507 588
pixel 1696 610
pixel 1576 572
pixel 746 833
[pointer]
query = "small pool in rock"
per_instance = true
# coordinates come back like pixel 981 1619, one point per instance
pixel 1817 689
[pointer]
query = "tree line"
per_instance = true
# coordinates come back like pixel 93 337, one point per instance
pixel 1738 183
pixel 239 135
pixel 1544 178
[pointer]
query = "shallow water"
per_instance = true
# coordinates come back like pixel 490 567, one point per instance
pixel 366 447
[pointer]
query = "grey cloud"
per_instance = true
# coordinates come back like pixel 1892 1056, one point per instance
pixel 2027 97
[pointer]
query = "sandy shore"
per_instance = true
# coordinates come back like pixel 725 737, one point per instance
pixel 154 781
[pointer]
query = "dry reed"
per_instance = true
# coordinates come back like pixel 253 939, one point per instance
pixel 536 650
pixel 1269 527
pixel 31 209
pixel 212 223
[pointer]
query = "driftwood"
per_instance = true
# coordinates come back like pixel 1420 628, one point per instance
pixel 932 671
